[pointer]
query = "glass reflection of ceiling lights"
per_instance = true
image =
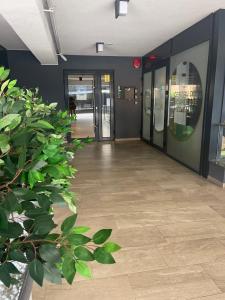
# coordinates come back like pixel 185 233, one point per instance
pixel 185 100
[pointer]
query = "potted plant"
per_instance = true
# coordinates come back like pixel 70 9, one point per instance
pixel 35 173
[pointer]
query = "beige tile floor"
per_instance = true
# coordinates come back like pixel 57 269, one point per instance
pixel 169 221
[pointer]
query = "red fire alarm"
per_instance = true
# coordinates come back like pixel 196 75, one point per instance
pixel 137 62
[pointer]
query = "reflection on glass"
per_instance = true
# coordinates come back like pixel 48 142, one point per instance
pixel 147 105
pixel 81 103
pixel 106 105
pixel 220 158
pixel 185 100
pixel 159 106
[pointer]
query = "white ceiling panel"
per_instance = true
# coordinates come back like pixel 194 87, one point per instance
pixel 8 38
pixel 82 23
pixel 28 19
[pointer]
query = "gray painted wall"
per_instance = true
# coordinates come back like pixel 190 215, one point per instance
pixel 49 79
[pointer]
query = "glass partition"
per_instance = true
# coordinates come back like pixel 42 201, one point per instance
pixel 147 85
pixel 188 71
pixel 185 100
pixel 159 106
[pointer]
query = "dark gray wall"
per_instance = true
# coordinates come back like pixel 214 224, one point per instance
pixel 192 36
pixel 49 79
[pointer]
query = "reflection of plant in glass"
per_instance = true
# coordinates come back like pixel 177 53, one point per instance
pixel 35 173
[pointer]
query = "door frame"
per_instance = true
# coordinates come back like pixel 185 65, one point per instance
pixel 155 66
pixel 96 74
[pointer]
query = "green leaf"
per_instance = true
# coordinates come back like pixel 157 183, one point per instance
pixel 14 230
pixel 43 225
pixel 4 75
pixel 52 274
pixel 39 165
pixel 68 223
pixel 22 158
pixel 28 224
pixel 10 202
pixel 50 253
pixel 83 254
pixel 12 268
pixel 5 275
pixel 80 229
pixel 12 84
pixel 42 124
pixel 34 177
pixel 78 239
pixel 2 69
pixel 101 236
pixel 17 255
pixel 4 140
pixel 83 269
pixel 4 85
pixel 68 268
pixel 3 220
pixel 103 257
pixel 10 119
pixel 36 271
pixel 111 247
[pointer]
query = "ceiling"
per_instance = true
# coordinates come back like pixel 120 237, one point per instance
pixel 80 24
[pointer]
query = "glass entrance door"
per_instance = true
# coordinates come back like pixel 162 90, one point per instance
pixel 159 109
pixel 81 100
pixel 90 98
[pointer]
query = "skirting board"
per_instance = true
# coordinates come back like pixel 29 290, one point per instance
pixel 215 181
pixel 127 139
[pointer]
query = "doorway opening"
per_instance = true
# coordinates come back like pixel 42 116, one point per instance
pixel 89 95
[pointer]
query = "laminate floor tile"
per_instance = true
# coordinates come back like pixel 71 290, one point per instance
pixel 169 221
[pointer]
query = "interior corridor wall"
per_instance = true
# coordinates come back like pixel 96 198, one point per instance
pixel 49 79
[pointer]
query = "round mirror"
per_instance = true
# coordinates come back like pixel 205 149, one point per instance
pixel 185 100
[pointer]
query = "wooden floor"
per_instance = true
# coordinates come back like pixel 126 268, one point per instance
pixel 169 221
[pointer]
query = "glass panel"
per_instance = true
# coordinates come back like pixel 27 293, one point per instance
pixel 81 103
pixel 106 93
pixel 188 71
pixel 159 106
pixel 147 105
pixel 185 100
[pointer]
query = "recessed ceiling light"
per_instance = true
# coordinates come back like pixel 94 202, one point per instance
pixel 121 8
pixel 99 47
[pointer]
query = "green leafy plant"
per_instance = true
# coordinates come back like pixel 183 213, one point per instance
pixel 35 173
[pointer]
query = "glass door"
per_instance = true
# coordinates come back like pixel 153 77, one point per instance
pixel 81 100
pixel 90 98
pixel 147 103
pixel 159 109
pixel 106 107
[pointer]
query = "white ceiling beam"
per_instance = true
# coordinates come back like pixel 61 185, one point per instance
pixel 29 21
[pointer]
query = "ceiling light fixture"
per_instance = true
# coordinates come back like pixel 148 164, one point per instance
pixel 49 10
pixel 121 8
pixel 99 47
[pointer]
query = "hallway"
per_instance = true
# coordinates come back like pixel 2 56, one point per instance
pixel 169 221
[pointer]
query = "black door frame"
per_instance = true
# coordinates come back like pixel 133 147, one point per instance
pixel 153 68
pixel 97 98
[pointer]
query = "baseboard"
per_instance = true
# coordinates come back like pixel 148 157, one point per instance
pixel 127 139
pixel 215 181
